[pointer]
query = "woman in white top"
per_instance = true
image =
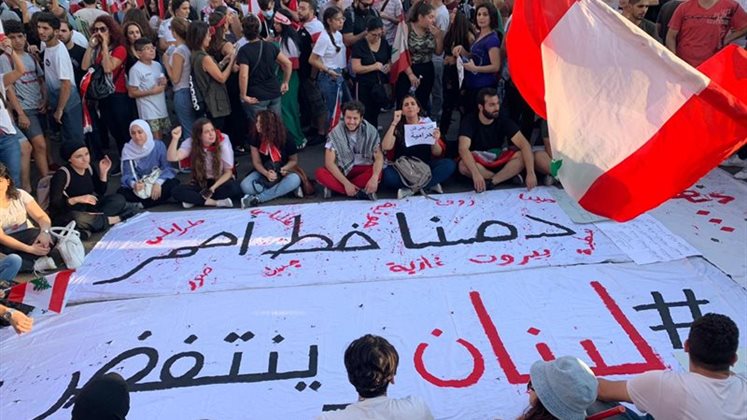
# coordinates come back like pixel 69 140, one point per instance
pixel 329 57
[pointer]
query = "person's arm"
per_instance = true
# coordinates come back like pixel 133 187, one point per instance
pixel 225 177
pixel 671 40
pixel 359 68
pixel 373 182
pixel 287 67
pixel 66 88
pixel 292 163
pixel 18 320
pixel 495 63
pixel 135 92
pixel 387 143
pixel 257 161
pixel 42 220
pixel 734 35
pixel 469 162
pixel 18 69
pixel 439 37
pixel 615 391
pixel 244 85
pixel 108 61
pixel 173 154
pixel 527 156
pixel 211 68
pixel 330 162
pixel 174 70
pixel 14 244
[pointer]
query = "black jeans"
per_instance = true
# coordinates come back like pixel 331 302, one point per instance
pixel 190 193
pixel 426 73
pixel 97 219
pixel 116 110
pixel 372 109
pixel 28 237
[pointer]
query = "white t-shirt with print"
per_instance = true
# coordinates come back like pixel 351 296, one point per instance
pixel 57 66
pixel 226 156
pixel 144 77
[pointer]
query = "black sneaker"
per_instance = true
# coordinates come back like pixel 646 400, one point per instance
pixel 116 171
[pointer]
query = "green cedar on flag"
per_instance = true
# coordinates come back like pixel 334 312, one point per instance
pixel 44 292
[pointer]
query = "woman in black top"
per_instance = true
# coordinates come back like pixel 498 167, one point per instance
pixel 371 61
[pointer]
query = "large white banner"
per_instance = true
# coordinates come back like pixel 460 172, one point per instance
pixel 712 216
pixel 465 344
pixel 337 242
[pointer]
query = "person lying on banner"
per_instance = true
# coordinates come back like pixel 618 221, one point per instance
pixel 147 176
pixel 9 266
pixel 394 146
pixel 484 155
pixel 371 362
pixel 274 155
pixel 34 245
pixel 352 160
pixel 77 193
pixel 210 156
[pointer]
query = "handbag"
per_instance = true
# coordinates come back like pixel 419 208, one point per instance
pixel 147 181
pixel 69 245
pixel 271 166
pixel 102 84
pixel 381 93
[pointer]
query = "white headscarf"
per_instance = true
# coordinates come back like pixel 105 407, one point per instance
pixel 131 151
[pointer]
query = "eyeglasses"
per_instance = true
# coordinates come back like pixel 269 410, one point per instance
pixel 101 29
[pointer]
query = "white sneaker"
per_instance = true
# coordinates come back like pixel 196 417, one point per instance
pixel 404 193
pixel 438 189
pixel 327 193
pixel 44 264
pixel 299 192
pixel 187 205
pixel 735 161
pixel 226 202
pixel 741 174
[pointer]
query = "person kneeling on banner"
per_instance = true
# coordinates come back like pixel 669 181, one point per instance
pixel 34 245
pixel 9 266
pixel 274 156
pixel 147 176
pixel 352 160
pixel 77 193
pixel 210 157
pixel 561 389
pixel 483 149
pixel 394 141
pixel 371 362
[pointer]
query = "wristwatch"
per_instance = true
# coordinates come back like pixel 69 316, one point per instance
pixel 8 314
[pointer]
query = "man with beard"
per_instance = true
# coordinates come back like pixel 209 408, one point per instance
pixel 356 17
pixel 635 11
pixel 352 160
pixel 75 51
pixel 483 146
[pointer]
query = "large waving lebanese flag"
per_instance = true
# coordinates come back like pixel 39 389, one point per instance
pixel 631 124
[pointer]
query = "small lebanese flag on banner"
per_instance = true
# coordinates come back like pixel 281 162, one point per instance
pixel 338 111
pixel 631 124
pixel 400 52
pixel 43 292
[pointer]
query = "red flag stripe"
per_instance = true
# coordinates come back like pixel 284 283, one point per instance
pixel 17 293
pixel 58 290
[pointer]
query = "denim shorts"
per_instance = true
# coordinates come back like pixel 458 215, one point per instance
pixel 35 128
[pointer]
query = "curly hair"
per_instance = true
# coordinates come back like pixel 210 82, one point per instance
pixel 116 35
pixel 218 32
pixel 371 362
pixel 198 155
pixel 272 129
pixel 713 342
pixel 12 192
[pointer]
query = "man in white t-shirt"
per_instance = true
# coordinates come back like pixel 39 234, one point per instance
pixel 709 390
pixel 10 147
pixel 371 362
pixel 64 100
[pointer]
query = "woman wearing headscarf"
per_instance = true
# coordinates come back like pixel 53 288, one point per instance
pixel 141 156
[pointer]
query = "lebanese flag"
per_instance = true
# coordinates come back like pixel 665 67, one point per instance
pixel 400 52
pixel 43 292
pixel 338 111
pixel 631 124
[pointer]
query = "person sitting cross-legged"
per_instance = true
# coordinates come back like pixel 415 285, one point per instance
pixel 353 159
pixel 483 136
pixel 709 390
pixel 371 362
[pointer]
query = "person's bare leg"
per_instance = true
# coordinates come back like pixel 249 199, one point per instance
pixel 26 166
pixel 40 155
pixel 483 171
pixel 542 162
pixel 113 220
pixel 512 168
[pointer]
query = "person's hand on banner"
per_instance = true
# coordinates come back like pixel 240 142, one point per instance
pixel 479 182
pixel 350 189
pixel 531 181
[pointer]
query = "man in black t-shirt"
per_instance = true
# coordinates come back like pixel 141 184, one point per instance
pixel 487 131
pixel 76 51
pixel 356 17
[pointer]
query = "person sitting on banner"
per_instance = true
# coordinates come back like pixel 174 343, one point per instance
pixel 352 160
pixel 103 397
pixel 543 155
pixel 145 167
pixel 371 362
pixel 274 155
pixel 560 389
pixel 33 244
pixel 210 155
pixel 77 192
pixel 482 146
pixel 9 267
pixel 708 390
pixel 394 140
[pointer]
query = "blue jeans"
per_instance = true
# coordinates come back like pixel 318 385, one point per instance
pixel 274 105
pixel 9 267
pixel 329 87
pixel 287 185
pixel 441 170
pixel 72 116
pixel 185 114
pixel 10 155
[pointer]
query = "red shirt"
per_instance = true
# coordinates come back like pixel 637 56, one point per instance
pixel 118 75
pixel 702 31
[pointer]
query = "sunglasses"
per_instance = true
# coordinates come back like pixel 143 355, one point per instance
pixel 101 29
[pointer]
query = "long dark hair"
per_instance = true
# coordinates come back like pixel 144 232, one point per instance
pixel 418 9
pixel 116 36
pixel 492 12
pixel 198 155
pixel 537 412
pixel 458 33
pixel 288 33
pixel 218 33
pixel 399 130
pixel 196 34
pixel 272 128
pixel 12 192
pixel 330 13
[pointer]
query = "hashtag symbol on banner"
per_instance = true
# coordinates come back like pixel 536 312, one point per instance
pixel 667 323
